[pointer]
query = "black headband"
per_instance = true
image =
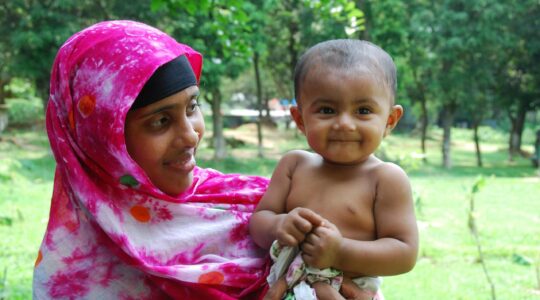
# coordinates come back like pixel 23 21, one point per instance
pixel 168 79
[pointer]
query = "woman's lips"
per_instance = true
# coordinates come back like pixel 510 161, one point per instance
pixel 185 162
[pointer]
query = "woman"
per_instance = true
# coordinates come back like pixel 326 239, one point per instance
pixel 132 217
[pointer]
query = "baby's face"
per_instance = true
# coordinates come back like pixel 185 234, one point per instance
pixel 344 114
pixel 163 138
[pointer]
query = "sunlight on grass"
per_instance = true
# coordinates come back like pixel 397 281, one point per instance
pixel 508 209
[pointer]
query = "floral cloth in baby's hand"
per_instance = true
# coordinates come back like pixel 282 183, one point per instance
pixel 299 275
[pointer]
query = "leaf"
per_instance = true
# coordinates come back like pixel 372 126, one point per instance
pixel 478 184
pixel 521 260
pixel 191 8
pixel 6 221
pixel 156 5
pixel 4 177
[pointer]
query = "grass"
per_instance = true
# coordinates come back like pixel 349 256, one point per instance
pixel 508 211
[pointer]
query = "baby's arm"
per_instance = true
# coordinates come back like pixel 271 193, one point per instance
pixel 395 248
pixel 270 221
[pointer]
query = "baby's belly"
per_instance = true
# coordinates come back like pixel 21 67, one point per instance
pixel 354 218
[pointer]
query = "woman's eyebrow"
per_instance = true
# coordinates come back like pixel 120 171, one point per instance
pixel 195 94
pixel 158 110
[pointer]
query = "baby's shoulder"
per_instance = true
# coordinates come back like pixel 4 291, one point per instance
pixel 298 155
pixel 295 159
pixel 387 171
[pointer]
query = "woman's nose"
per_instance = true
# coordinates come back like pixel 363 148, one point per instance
pixel 186 134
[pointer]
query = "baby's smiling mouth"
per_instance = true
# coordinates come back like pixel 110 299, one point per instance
pixel 345 140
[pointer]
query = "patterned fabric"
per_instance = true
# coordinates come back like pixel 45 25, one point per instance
pixel 300 276
pixel 298 273
pixel 111 233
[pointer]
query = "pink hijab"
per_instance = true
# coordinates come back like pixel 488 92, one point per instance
pixel 112 234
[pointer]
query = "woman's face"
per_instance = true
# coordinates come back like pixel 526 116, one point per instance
pixel 163 137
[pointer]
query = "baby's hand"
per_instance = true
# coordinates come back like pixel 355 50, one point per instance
pixel 321 247
pixel 295 225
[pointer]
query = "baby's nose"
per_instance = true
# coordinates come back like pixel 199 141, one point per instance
pixel 345 122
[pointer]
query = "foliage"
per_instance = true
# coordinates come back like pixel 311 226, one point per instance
pixel 457 60
pixel 32 31
pixel 25 111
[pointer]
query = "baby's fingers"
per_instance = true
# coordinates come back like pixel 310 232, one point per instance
pixel 287 240
pixel 313 218
pixel 290 236
pixel 302 225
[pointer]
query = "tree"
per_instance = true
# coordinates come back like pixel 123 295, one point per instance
pixel 32 31
pixel 522 76
pixel 482 60
pixel 233 34
pixel 216 29
pixel 404 29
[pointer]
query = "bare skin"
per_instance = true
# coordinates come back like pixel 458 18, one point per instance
pixel 343 206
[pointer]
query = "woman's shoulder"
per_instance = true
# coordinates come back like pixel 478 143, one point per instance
pixel 211 178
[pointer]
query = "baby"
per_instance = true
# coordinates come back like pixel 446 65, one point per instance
pixel 350 214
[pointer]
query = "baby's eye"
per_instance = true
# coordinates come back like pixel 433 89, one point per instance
pixel 364 111
pixel 326 110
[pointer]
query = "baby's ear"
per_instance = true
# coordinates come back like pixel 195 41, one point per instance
pixel 396 112
pixel 297 117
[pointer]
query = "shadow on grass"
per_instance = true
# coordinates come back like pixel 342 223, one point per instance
pixel 465 171
pixel 521 167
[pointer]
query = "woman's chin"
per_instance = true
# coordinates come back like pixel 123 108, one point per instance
pixel 177 187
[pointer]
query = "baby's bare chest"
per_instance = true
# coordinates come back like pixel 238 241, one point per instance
pixel 346 200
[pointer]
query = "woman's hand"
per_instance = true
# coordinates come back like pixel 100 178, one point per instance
pixel 321 247
pixel 295 225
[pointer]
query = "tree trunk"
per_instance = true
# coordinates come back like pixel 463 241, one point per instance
pixel 479 163
pixel 424 117
pixel 516 131
pixel 447 121
pixel 265 106
pixel 363 5
pixel 4 121
pixel 220 148
pixel 260 153
pixel 42 90
pixel 293 32
pixel 424 124
pixel 418 92
pixel 3 84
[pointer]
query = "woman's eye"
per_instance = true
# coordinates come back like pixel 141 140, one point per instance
pixel 326 110
pixel 160 122
pixel 193 106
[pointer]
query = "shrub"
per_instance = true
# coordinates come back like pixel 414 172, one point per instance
pixel 25 111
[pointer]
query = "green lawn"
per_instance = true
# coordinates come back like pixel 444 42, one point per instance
pixel 508 212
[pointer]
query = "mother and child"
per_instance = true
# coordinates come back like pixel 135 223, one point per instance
pixel 133 217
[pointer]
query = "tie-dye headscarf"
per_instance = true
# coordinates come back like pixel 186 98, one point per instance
pixel 112 234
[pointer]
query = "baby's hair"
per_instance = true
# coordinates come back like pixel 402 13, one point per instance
pixel 347 54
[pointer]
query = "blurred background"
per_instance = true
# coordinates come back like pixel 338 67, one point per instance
pixel 468 78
